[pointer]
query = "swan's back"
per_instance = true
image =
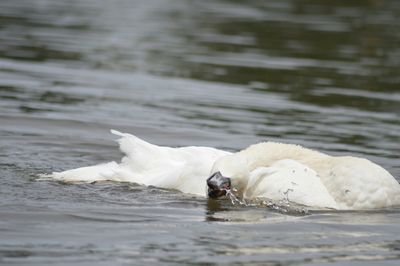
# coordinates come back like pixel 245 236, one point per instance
pixel 353 183
pixel 357 183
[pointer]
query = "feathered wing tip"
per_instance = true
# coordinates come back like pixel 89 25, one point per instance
pixel 98 172
pixel 139 156
pixel 130 137
pixel 131 145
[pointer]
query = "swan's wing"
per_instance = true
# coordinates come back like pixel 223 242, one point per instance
pixel 185 169
pixel 87 174
pixel 139 154
pixel 291 180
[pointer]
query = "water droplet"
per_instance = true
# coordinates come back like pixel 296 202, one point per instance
pixel 234 199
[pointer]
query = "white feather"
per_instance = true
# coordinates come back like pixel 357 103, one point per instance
pixel 185 169
pixel 310 177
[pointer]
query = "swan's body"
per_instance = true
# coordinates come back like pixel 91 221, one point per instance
pixel 267 170
pixel 275 171
pixel 185 169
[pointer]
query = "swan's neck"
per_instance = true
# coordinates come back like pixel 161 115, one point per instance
pixel 267 153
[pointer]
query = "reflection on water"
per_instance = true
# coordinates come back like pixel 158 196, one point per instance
pixel 219 73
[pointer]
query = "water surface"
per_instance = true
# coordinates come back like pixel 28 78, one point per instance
pixel 216 73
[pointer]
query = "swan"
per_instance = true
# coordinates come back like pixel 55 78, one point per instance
pixel 277 171
pixel 185 169
pixel 267 170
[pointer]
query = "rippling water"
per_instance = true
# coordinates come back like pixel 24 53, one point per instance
pixel 215 73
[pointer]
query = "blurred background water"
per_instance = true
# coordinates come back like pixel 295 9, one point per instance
pixel 219 73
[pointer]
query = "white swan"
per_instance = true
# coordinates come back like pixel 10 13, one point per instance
pixel 267 170
pixel 185 169
pixel 276 171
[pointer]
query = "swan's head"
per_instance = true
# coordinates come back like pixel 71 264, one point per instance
pixel 228 173
pixel 218 185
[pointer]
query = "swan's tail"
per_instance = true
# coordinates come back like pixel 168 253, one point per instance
pixel 139 156
pixel 87 174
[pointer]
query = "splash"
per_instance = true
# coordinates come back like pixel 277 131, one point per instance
pixel 283 206
pixel 234 199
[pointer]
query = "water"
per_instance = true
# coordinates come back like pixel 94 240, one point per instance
pixel 217 73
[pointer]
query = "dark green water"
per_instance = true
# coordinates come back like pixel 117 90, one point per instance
pixel 216 73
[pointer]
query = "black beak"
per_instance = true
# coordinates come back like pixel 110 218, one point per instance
pixel 218 185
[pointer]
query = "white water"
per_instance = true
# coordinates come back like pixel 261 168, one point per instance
pixel 282 206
